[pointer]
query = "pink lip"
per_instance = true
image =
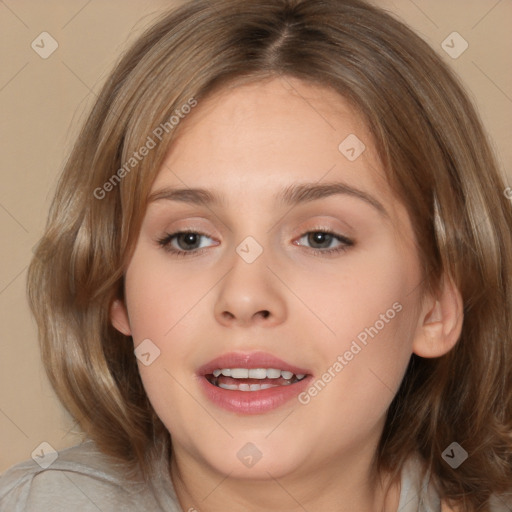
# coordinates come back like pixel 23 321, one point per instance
pixel 251 402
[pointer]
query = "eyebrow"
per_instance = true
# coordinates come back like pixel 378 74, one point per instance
pixel 289 196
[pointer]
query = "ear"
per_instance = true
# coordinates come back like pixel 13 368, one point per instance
pixel 119 317
pixel 440 322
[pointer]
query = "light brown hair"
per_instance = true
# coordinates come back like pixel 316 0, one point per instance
pixel 436 157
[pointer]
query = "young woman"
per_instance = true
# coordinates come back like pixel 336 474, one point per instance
pixel 277 276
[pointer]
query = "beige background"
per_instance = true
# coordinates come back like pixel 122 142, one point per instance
pixel 42 102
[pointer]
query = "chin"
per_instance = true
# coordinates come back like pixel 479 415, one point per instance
pixel 256 460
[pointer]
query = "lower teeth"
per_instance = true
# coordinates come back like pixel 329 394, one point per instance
pixel 250 387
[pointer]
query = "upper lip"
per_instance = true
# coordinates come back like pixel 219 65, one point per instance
pixel 249 360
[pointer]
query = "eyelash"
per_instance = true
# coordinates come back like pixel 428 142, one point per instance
pixel 165 243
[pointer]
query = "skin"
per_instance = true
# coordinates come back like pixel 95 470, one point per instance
pixel 246 143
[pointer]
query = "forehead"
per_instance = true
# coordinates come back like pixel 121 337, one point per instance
pixel 255 138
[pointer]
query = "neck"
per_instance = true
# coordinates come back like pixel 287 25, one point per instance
pixel 348 486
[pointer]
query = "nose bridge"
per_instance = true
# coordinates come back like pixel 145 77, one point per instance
pixel 250 292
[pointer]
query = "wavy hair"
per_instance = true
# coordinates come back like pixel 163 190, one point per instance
pixel 436 156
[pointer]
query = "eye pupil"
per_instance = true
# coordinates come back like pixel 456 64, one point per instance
pixel 318 237
pixel 186 240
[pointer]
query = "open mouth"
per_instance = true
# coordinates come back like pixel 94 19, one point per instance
pixel 251 382
pixel 252 379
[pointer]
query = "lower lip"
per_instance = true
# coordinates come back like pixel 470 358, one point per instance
pixel 252 402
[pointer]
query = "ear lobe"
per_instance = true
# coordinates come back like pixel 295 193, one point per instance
pixel 440 324
pixel 119 317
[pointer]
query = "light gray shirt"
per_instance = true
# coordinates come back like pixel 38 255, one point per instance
pixel 83 479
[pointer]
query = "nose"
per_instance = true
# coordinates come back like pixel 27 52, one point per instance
pixel 250 294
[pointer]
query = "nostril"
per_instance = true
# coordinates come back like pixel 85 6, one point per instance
pixel 230 316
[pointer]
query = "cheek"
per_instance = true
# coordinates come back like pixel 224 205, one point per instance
pixel 166 306
pixel 162 306
pixel 160 294
pixel 365 289
pixel 368 310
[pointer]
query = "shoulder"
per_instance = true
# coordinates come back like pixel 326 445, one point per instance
pixel 419 492
pixel 497 503
pixel 80 478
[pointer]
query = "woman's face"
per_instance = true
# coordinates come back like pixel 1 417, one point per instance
pixel 259 284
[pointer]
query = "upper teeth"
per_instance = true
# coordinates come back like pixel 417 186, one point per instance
pixel 256 373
